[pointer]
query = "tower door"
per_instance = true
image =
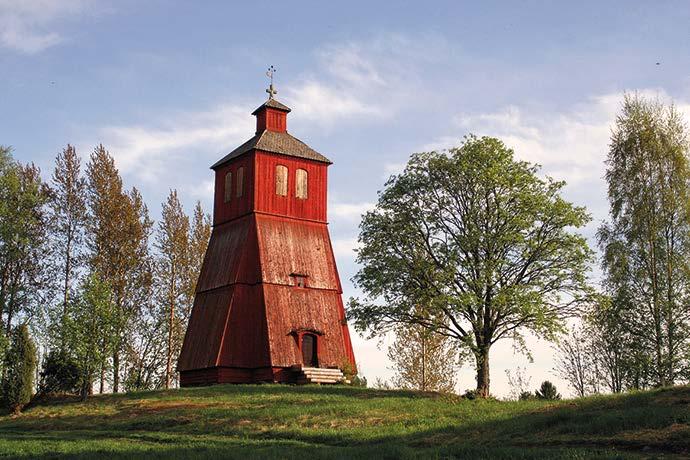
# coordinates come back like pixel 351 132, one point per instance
pixel 309 358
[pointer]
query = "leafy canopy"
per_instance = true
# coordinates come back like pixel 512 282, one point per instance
pixel 478 239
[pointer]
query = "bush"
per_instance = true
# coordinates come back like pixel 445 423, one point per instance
pixel 60 373
pixel 20 366
pixel 471 394
pixel 526 396
pixel 547 391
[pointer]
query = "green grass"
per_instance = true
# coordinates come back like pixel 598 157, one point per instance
pixel 281 421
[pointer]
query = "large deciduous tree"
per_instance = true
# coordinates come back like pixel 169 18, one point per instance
pixel 172 275
pixel 646 243
pixel 23 283
pixel 479 239
pixel 200 234
pixel 118 231
pixel 67 222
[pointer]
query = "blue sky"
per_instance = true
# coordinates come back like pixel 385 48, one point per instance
pixel 168 88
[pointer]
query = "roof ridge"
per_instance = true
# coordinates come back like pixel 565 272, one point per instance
pixel 275 142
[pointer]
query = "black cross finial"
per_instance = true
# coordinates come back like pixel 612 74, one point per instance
pixel 271 91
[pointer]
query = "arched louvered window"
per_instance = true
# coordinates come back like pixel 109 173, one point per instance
pixel 301 184
pixel 281 180
pixel 228 187
pixel 240 182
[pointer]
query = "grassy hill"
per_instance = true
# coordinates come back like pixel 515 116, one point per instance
pixel 280 421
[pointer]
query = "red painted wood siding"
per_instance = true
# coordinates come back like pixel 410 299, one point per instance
pixel 291 309
pixel 289 246
pixel 272 120
pixel 267 201
pixel 247 306
pixel 237 206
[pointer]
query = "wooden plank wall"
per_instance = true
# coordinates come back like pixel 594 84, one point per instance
pixel 237 206
pixel 267 201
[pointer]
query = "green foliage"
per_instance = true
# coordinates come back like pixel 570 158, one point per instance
pixel 93 321
pixel 646 247
pixel 423 360
pixel 359 381
pixel 60 373
pixel 117 236
pixel 22 241
pixel 526 396
pixel 66 226
pixel 172 275
pixel 4 344
pixel 547 391
pixel 481 241
pixel 472 394
pixel 20 368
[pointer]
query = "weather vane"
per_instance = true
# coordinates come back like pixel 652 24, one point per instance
pixel 271 91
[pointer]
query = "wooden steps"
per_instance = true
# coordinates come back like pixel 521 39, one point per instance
pixel 318 375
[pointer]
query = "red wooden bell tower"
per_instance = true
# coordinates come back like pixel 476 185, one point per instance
pixel 268 296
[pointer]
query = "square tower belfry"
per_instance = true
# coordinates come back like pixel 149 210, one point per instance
pixel 269 298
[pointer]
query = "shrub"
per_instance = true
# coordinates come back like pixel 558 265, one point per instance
pixel 60 373
pixel 20 366
pixel 526 396
pixel 471 394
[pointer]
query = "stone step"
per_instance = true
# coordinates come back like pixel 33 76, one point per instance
pixel 305 381
pixel 333 374
pixel 319 369
pixel 320 375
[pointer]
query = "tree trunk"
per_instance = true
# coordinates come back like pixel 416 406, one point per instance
pixel 168 364
pixel 482 359
pixel 116 370
pixel 101 387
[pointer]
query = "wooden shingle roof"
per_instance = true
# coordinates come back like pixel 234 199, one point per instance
pixel 275 142
pixel 272 103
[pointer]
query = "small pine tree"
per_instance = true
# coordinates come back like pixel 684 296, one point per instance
pixel 20 368
pixel 547 391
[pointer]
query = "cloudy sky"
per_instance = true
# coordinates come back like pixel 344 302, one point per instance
pixel 168 88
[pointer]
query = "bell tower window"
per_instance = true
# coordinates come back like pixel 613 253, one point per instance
pixel 228 187
pixel 301 184
pixel 281 180
pixel 240 182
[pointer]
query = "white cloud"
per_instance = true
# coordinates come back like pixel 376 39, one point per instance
pixel 349 211
pixel 370 80
pixel 140 149
pixel 201 190
pixel 344 248
pixel 570 145
pixel 319 102
pixel 29 26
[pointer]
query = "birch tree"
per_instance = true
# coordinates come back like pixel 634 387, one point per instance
pixel 646 243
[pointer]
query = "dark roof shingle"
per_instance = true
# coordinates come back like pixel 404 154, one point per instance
pixel 275 142
pixel 272 103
